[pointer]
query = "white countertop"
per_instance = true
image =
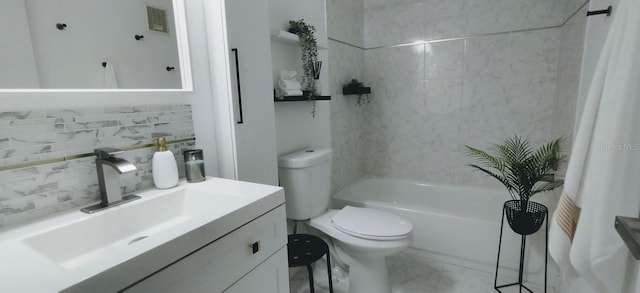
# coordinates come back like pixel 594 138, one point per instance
pixel 23 269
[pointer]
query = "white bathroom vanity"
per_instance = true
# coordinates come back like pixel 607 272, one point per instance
pixel 215 236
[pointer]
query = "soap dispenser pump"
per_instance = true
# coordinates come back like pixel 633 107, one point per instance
pixel 164 166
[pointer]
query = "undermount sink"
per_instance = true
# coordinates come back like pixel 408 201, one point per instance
pixel 98 235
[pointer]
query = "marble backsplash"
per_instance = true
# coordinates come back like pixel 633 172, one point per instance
pixel 39 135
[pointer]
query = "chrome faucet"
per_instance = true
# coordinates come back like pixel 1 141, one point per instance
pixel 109 169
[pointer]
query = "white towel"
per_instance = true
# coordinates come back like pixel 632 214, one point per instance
pixel 289 85
pixel 110 81
pixel 602 176
pixel 280 93
pixel 293 93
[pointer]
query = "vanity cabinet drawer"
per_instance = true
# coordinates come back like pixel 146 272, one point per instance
pixel 218 265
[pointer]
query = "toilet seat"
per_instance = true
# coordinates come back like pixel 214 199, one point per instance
pixel 371 224
pixel 324 224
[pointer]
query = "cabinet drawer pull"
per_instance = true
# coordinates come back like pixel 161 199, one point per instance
pixel 255 247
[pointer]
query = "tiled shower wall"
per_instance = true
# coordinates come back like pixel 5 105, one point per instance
pixel 569 67
pixel 489 72
pixel 346 56
pixel 36 135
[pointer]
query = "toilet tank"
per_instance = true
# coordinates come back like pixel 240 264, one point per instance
pixel 305 176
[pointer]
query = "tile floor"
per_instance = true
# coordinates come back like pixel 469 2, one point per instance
pixel 410 273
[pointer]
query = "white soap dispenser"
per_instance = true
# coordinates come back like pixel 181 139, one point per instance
pixel 164 166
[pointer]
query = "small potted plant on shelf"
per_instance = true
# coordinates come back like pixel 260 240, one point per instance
pixel 309 48
pixel 524 172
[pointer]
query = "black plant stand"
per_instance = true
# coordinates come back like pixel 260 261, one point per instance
pixel 541 210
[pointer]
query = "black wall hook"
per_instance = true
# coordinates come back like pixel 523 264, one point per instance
pixel 605 11
pixel 170 68
pixel 104 64
pixel 61 26
pixel 139 37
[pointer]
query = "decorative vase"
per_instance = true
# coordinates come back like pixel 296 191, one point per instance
pixel 525 217
pixel 318 87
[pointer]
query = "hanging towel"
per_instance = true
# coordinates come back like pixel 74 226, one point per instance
pixel 110 81
pixel 602 178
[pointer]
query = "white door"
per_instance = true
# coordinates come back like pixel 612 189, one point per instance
pixel 251 82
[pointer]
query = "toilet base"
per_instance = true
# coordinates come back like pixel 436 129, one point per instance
pixel 364 276
pixel 340 277
pixel 368 276
pixel 365 258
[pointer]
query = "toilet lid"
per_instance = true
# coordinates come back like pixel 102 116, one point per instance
pixel 371 224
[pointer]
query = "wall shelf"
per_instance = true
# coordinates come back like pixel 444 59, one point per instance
pixel 301 98
pixel 356 90
pixel 288 38
pixel 629 230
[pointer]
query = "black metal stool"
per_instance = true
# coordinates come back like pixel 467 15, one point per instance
pixel 305 249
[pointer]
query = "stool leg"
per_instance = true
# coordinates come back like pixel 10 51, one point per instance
pixel 311 288
pixel 329 272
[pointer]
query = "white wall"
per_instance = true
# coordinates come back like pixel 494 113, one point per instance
pixel 17 63
pixel 102 31
pixel 295 126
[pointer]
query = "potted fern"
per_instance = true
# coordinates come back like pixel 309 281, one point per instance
pixel 524 172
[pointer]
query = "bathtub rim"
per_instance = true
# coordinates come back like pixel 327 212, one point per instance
pixel 340 197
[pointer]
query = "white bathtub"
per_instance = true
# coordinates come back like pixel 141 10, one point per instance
pixel 458 224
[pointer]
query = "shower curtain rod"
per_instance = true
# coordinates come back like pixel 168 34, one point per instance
pixel 605 11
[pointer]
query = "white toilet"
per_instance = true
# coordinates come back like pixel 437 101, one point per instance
pixel 362 236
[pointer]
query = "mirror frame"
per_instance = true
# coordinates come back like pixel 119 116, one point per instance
pixel 186 77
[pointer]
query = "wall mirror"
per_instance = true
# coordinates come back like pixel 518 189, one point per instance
pixel 94 45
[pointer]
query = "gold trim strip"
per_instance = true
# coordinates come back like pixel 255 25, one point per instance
pixel 463 38
pixel 85 155
pixel 346 44
pixel 472 36
pixel 574 13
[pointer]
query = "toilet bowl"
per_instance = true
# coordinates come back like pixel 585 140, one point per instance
pixel 363 237
pixel 365 250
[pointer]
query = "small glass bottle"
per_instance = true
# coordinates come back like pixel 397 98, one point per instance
pixel 194 165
